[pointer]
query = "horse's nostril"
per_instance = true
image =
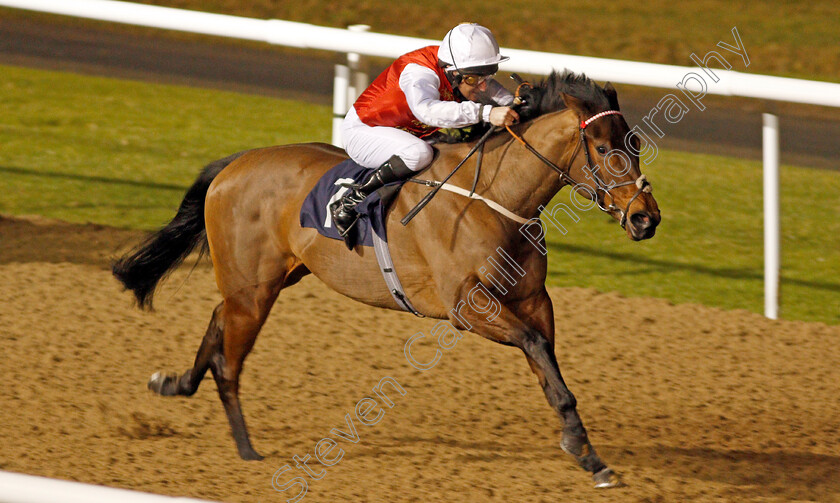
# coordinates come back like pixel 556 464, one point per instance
pixel 640 220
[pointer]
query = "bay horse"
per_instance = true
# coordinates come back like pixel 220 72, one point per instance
pixel 244 210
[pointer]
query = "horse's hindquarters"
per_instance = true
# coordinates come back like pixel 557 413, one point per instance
pixel 252 209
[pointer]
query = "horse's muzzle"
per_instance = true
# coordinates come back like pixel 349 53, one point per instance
pixel 642 225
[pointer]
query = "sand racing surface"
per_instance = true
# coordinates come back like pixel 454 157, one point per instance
pixel 688 403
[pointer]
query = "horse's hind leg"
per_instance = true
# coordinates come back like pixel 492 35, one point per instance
pixel 244 314
pixel 233 329
pixel 187 384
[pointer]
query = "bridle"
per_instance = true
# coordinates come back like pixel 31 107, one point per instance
pixel 600 185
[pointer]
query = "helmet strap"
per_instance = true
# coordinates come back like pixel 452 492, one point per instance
pixel 453 78
pixel 456 92
pixel 454 63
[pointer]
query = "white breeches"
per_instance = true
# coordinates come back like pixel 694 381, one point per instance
pixel 372 146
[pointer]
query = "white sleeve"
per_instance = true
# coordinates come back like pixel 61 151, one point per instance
pixel 420 85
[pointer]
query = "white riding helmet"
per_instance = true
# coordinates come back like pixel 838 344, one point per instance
pixel 469 46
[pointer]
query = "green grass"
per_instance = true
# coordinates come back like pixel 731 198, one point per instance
pixel 709 246
pixel 86 149
pixel 121 153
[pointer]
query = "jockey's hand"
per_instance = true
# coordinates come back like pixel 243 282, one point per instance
pixel 503 116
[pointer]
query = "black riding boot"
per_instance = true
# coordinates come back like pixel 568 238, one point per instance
pixel 343 210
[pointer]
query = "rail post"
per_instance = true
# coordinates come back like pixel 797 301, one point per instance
pixel 349 82
pixel 341 83
pixel 772 254
pixel 358 75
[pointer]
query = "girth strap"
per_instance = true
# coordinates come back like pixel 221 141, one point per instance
pixel 386 265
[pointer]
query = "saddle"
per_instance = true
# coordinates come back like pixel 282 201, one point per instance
pixel 315 213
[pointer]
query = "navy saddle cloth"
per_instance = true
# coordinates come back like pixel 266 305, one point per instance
pixel 315 212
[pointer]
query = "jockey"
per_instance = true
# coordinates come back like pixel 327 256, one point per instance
pixel 446 86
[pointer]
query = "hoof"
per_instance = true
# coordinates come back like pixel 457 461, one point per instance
pixel 606 479
pixel 164 384
pixel 250 455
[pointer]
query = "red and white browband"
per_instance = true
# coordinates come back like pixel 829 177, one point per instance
pixel 585 123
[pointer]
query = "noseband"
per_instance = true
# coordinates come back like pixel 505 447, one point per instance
pixel 641 183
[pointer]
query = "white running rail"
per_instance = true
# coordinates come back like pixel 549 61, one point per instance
pixel 19 488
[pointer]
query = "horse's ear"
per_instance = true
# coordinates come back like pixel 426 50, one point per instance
pixel 576 104
pixel 612 95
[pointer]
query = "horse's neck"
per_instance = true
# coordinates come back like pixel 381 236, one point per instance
pixel 516 178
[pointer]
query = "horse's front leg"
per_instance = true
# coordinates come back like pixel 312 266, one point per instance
pixel 529 325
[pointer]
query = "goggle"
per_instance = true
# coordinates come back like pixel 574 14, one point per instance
pixel 475 80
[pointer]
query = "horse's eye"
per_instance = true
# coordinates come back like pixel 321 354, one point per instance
pixel 601 150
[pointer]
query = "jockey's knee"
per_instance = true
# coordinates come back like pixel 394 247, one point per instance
pixel 417 156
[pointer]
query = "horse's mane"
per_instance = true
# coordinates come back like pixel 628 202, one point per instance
pixel 545 97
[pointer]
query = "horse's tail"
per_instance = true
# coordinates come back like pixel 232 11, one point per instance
pixel 141 269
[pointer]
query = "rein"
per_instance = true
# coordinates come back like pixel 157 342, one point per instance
pixel 643 186
pixel 423 202
pixel 641 183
